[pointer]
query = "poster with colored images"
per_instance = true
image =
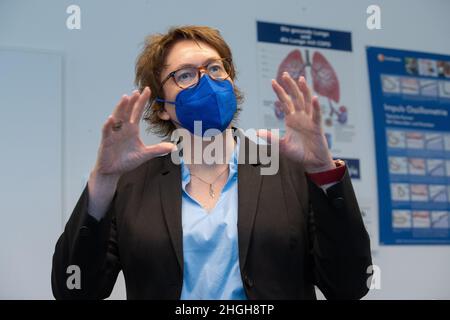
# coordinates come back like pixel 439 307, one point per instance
pixel 411 103
pixel 325 58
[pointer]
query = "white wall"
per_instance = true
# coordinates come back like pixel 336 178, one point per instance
pixel 99 64
pixel 31 173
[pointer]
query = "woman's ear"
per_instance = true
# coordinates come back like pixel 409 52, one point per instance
pixel 163 114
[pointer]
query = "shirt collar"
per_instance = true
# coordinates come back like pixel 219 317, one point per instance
pixel 232 163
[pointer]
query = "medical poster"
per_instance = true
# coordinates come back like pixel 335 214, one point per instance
pixel 411 104
pixel 321 56
pixel 324 57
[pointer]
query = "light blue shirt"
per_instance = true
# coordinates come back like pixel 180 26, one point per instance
pixel 210 242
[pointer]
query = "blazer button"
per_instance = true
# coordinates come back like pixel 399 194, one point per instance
pixel 84 231
pixel 338 203
pixel 248 282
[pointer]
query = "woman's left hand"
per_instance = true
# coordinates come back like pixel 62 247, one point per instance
pixel 304 139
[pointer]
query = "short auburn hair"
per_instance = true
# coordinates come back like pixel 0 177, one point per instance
pixel 152 60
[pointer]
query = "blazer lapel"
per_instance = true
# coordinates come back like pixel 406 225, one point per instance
pixel 170 188
pixel 249 184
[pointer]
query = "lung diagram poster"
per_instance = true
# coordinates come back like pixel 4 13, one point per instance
pixel 411 102
pixel 324 58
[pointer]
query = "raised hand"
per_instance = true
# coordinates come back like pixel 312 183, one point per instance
pixel 121 148
pixel 304 140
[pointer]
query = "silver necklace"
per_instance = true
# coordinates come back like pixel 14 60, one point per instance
pixel 212 194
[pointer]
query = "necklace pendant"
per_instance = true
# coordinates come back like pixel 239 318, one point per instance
pixel 211 191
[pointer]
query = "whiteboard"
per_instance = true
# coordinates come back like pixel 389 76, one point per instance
pixel 31 170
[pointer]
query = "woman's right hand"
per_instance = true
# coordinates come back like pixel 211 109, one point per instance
pixel 121 148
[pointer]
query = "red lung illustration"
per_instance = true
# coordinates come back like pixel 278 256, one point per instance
pixel 293 64
pixel 325 81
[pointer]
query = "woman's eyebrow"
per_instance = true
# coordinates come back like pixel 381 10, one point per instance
pixel 209 60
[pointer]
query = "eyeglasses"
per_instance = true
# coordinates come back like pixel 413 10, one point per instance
pixel 217 69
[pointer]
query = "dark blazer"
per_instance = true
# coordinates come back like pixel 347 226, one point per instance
pixel 291 234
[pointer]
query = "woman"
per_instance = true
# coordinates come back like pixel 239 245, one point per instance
pixel 211 230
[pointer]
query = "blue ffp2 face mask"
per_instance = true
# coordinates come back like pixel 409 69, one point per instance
pixel 212 102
